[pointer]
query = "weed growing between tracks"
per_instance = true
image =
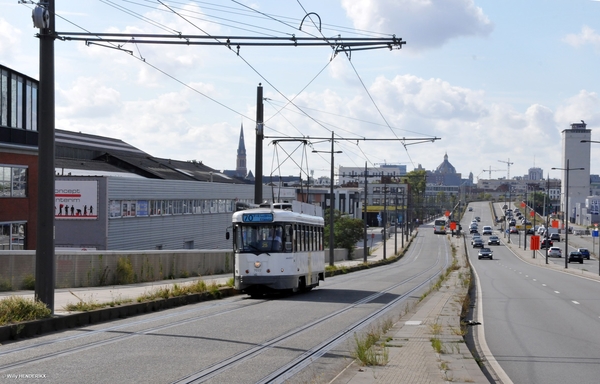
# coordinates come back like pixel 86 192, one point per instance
pixel 368 349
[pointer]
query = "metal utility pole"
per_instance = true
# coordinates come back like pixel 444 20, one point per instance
pixel 331 209
pixel 547 214
pixel 45 258
pixel 396 222
pixel 260 134
pixel 384 220
pixel 403 217
pixel 365 249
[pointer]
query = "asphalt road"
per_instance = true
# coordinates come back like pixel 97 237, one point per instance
pixel 294 339
pixel 540 324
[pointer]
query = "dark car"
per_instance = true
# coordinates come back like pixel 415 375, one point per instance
pixel 494 240
pixel 477 243
pixel 584 252
pixel 576 256
pixel 546 243
pixel 485 252
pixel 478 218
pixel 555 237
pixel 473 230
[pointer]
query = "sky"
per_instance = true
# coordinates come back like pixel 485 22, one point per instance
pixel 494 81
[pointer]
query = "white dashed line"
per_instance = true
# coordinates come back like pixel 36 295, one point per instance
pixel 534 279
pixel 543 285
pixel 556 292
pixel 574 302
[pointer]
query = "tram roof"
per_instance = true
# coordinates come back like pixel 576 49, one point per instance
pixel 280 215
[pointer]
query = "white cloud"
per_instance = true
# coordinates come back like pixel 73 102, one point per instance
pixel 10 38
pixel 87 98
pixel 424 24
pixel 585 37
pixel 583 106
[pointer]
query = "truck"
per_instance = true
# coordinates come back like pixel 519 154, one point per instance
pixel 553 234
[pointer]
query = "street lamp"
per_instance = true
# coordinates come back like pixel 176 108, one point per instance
pixel 332 203
pixel 566 213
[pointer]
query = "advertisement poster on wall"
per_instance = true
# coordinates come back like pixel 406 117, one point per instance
pixel 76 199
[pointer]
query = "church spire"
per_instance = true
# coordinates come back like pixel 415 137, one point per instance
pixel 240 168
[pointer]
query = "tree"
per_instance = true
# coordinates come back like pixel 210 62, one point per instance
pixel 346 231
pixel 417 182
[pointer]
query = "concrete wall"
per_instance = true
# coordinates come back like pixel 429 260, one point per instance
pixel 97 268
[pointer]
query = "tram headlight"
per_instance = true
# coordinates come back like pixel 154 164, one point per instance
pixel 257 264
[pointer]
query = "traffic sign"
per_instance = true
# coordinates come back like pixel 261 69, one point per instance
pixel 595 233
pixel 532 213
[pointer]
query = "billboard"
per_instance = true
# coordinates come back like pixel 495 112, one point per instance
pixel 76 199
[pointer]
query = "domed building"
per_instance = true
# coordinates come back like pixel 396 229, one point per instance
pixel 444 174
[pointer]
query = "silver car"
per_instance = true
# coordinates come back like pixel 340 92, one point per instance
pixel 554 252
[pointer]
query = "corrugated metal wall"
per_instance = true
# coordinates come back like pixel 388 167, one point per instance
pixel 206 231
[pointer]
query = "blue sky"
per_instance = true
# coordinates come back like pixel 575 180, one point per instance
pixel 493 79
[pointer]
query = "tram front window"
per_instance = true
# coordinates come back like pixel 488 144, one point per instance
pixel 260 238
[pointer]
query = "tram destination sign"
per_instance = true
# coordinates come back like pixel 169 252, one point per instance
pixel 257 218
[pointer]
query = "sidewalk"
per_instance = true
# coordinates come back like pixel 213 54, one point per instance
pixel 412 357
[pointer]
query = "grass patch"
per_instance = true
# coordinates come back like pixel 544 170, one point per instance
pixel 29 282
pixel 5 286
pixel 198 286
pixel 437 344
pixel 368 348
pixel 15 309
pixel 91 304
pixel 125 273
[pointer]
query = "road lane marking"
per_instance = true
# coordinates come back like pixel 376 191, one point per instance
pixel 574 302
pixel 556 292
pixel 543 285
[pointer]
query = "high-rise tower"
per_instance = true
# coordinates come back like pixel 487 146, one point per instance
pixel 578 154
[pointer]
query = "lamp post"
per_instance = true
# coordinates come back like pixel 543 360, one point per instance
pixel 566 213
pixel 547 215
pixel 331 203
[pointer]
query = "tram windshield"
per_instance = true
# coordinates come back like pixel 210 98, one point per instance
pixel 259 238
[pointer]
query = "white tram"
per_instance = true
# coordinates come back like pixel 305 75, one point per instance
pixel 277 250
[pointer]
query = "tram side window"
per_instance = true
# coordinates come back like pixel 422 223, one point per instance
pixel 320 239
pixel 288 239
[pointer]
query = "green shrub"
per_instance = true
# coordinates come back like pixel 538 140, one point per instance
pixel 124 271
pixel 14 309
pixel 29 282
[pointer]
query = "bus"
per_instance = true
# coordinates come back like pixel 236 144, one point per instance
pixel 439 226
pixel 277 250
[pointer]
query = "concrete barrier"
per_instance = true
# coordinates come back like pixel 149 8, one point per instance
pixel 97 268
